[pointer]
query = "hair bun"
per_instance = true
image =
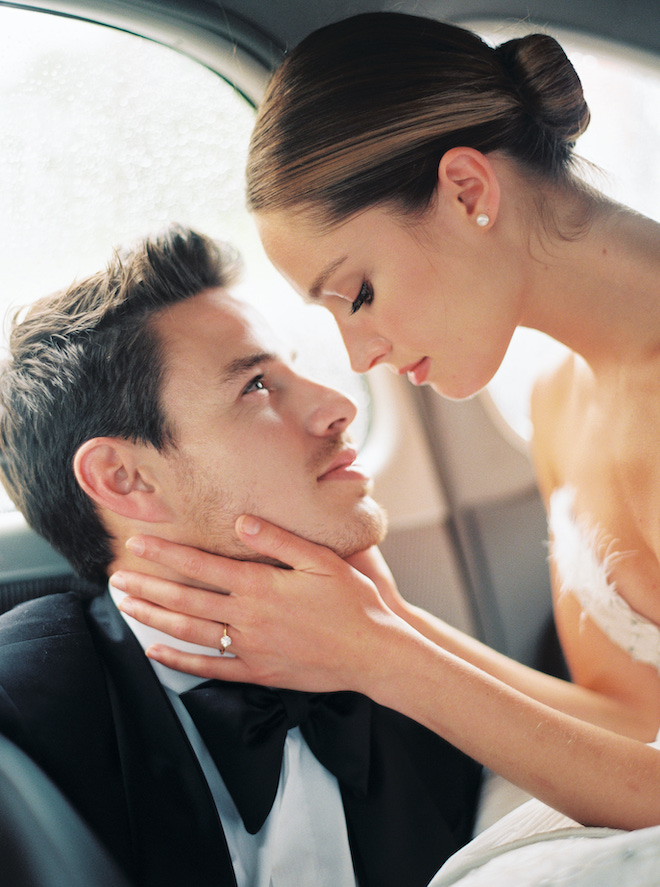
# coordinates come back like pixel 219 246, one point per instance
pixel 547 84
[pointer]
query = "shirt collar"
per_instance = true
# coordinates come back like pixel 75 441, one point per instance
pixel 177 681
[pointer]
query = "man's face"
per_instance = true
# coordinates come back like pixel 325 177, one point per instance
pixel 255 437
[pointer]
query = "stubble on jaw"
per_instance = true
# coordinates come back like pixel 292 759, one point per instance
pixel 209 506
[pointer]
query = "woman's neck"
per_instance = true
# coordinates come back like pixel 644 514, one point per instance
pixel 599 294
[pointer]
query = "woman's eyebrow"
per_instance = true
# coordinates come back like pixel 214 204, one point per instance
pixel 319 282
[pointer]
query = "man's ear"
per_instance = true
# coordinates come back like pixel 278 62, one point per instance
pixel 115 474
pixel 467 177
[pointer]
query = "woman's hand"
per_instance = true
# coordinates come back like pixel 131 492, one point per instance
pixel 371 564
pixel 316 626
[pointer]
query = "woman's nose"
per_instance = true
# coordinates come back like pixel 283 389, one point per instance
pixel 364 356
pixel 365 350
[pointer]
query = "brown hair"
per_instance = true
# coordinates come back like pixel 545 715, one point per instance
pixel 361 112
pixel 86 362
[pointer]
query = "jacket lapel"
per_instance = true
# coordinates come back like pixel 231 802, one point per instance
pixel 418 809
pixel 54 705
pixel 176 829
pixel 419 806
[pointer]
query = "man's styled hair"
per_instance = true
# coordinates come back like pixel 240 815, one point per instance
pixel 86 362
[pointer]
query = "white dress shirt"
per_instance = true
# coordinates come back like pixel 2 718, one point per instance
pixel 304 840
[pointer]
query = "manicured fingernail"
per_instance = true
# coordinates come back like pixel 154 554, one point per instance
pixel 118 581
pixel 248 525
pixel 126 606
pixel 135 544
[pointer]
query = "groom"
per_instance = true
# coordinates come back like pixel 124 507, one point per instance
pixel 148 399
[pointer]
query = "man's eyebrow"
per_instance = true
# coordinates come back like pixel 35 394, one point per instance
pixel 241 365
pixel 319 282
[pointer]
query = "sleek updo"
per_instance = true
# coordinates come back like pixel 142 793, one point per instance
pixel 361 112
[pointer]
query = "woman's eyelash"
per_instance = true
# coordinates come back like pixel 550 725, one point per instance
pixel 365 297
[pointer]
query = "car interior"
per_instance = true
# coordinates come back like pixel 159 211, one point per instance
pixel 121 116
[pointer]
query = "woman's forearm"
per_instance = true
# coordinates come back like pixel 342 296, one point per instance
pixel 572 699
pixel 595 776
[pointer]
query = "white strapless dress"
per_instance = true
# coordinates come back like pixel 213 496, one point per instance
pixel 574 550
pixel 534 844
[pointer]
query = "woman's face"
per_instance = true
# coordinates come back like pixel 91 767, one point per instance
pixel 433 298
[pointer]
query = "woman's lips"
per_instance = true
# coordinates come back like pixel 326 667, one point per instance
pixel 417 372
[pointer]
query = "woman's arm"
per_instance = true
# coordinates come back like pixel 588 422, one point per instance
pixel 323 626
pixel 622 715
pixel 627 715
pixel 595 776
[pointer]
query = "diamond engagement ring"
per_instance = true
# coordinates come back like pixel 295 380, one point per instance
pixel 225 640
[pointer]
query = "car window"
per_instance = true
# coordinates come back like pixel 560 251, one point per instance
pixel 622 88
pixel 107 136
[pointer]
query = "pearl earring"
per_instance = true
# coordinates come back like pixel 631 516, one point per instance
pixel 482 220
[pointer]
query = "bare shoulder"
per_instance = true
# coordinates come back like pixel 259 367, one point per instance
pixel 552 397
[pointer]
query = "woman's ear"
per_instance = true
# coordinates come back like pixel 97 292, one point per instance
pixel 115 474
pixel 467 177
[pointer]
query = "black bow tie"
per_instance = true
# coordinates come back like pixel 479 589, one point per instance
pixel 244 727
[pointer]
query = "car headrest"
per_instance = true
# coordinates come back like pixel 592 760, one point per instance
pixel 16 591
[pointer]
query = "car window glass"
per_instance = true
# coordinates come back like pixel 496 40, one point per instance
pixel 107 136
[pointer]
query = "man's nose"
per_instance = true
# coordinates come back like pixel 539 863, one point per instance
pixel 331 412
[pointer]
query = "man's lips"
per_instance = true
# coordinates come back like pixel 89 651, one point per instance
pixel 417 372
pixel 342 467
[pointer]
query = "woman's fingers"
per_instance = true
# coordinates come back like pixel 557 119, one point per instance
pixel 273 542
pixel 311 626
pixel 190 629
pixel 223 668
pixel 174 595
pixel 194 615
pixel 217 573
pixel 210 571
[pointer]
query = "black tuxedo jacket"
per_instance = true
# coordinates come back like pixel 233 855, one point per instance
pixel 79 696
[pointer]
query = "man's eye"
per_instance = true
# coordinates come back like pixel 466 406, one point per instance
pixel 256 384
pixel 365 297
